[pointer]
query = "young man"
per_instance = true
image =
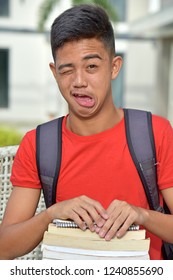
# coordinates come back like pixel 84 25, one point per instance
pixel 98 181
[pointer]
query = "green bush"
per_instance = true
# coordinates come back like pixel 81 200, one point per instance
pixel 9 136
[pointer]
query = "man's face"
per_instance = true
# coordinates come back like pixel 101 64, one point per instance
pixel 83 70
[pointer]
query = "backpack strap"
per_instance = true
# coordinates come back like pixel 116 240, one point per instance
pixel 140 141
pixel 48 157
pixel 141 144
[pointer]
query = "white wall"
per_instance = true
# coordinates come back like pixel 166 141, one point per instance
pixel 140 63
pixel 137 9
pixel 140 75
pixel 33 93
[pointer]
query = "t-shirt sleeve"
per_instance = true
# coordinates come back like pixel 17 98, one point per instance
pixel 164 147
pixel 24 169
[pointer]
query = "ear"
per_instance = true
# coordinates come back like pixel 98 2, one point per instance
pixel 53 68
pixel 116 66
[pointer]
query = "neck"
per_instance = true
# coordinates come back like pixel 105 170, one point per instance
pixel 94 125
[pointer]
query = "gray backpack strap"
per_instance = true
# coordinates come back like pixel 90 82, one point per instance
pixel 140 141
pixel 48 157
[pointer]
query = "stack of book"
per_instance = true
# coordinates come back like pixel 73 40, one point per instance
pixel 64 241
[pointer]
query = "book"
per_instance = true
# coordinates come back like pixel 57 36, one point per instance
pixel 62 253
pixel 73 243
pixel 94 242
pixel 87 234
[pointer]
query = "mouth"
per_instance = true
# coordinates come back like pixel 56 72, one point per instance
pixel 84 100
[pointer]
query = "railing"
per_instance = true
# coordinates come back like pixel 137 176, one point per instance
pixel 7 155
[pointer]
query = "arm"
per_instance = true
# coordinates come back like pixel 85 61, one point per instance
pixel 162 224
pixel 121 212
pixel 21 230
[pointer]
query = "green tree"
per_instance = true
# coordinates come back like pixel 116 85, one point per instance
pixel 9 136
pixel 48 5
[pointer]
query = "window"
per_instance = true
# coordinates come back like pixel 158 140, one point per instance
pixel 4 55
pixel 4 8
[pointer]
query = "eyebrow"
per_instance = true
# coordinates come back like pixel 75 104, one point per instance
pixel 89 56
pixel 64 65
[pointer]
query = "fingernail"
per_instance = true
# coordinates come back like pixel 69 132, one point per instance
pixel 105 216
pixel 100 223
pixel 84 227
pixel 118 235
pixel 97 229
pixel 92 228
pixel 102 233
pixel 107 237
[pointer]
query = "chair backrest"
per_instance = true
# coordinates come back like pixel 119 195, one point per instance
pixel 7 155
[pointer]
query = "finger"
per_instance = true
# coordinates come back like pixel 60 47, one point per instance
pixel 100 211
pixel 109 232
pixel 97 229
pixel 112 225
pixel 86 212
pixel 106 230
pixel 115 204
pixel 122 230
pixel 77 219
pixel 91 215
pixel 86 218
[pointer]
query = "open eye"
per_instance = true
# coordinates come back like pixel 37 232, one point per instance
pixel 92 67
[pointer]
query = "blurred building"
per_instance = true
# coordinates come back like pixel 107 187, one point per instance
pixel 152 20
pixel 144 38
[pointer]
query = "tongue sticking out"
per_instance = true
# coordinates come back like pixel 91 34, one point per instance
pixel 84 100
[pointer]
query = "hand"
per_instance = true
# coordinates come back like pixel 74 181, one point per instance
pixel 83 210
pixel 121 216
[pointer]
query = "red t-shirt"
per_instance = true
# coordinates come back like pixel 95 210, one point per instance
pixel 100 167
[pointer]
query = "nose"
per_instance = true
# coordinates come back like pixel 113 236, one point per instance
pixel 79 79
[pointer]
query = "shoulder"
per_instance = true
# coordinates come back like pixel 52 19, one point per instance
pixel 163 132
pixel 27 145
pixel 31 135
pixel 159 121
pixel 161 126
pixel 29 138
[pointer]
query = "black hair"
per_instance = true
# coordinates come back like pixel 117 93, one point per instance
pixel 81 22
